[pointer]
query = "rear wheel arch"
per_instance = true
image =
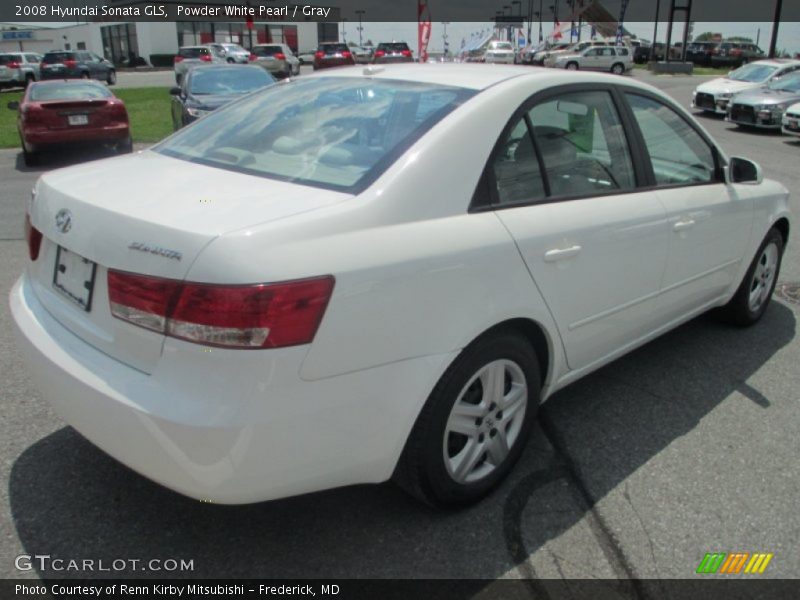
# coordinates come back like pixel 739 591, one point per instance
pixel 782 225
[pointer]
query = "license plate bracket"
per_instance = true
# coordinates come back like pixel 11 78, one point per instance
pixel 73 277
pixel 78 119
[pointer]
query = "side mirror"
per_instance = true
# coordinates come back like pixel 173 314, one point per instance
pixel 13 105
pixel 743 170
pixel 175 91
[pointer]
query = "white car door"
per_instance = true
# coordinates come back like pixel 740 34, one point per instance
pixel 709 222
pixel 564 182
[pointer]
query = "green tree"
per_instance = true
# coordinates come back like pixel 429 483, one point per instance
pixel 706 36
pixel 739 38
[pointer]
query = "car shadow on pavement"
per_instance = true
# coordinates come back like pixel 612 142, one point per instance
pixel 57 158
pixel 70 500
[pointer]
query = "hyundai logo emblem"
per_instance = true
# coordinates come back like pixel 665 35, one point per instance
pixel 64 220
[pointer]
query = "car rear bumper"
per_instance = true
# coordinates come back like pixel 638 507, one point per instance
pixel 80 134
pixel 226 426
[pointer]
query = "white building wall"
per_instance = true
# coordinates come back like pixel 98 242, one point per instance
pixel 157 38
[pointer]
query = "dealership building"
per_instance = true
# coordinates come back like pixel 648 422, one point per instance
pixel 122 42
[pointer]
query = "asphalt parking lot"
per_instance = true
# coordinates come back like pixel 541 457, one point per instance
pixel 686 446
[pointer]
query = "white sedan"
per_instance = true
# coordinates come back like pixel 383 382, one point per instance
pixel 379 273
pixel 790 123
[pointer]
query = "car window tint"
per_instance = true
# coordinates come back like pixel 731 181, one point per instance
pixel 582 143
pixel 334 132
pixel 68 91
pixel 678 153
pixel 266 50
pixel 227 81
pixel 516 168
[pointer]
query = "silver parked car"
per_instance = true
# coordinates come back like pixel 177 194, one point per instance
pixel 191 56
pixel 764 107
pixel 499 52
pixel 617 59
pixel 18 69
pixel 234 53
pixel 278 59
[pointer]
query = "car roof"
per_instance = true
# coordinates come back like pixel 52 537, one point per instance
pixel 473 76
pixel 69 81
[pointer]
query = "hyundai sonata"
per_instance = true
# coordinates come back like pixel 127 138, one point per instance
pixel 379 273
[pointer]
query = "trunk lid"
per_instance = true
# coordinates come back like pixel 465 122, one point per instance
pixel 147 214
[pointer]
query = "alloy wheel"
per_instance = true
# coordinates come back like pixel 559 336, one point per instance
pixel 763 277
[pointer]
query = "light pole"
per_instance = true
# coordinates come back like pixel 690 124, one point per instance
pixel 445 45
pixel 360 14
pixel 518 4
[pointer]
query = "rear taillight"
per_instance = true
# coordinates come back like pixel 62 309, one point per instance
pixel 279 56
pixel 13 65
pixel 347 54
pixel 406 53
pixel 178 59
pixel 252 57
pixel 205 57
pixel 118 111
pixel 34 238
pixel 272 315
pixel 70 64
pixel 379 53
pixel 42 65
pixel 319 54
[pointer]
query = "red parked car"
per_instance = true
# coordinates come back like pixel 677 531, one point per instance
pixel 60 112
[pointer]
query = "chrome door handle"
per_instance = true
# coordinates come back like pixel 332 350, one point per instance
pixel 683 225
pixel 561 253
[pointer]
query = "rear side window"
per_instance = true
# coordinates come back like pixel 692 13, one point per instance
pixel 680 156
pixel 334 48
pixel 267 50
pixel 58 57
pixel 331 132
pixel 518 178
pixel 622 52
pixel 192 52
pixel 68 91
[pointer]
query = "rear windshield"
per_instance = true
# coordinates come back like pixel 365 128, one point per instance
pixel 503 46
pixel 267 50
pixel 331 132
pixel 57 57
pixel 228 80
pixel 7 58
pixel 67 91
pixel 333 48
pixel 752 73
pixel 393 47
pixel 193 52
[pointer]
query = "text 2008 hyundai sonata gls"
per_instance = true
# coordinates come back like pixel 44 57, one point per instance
pixel 380 273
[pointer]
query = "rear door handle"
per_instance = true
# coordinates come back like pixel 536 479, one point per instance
pixel 683 225
pixel 561 253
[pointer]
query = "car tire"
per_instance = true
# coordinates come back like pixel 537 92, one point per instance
pixel 112 77
pixel 178 79
pixel 618 68
pixel 752 298
pixel 125 146
pixel 430 468
pixel 29 157
pixel 29 79
pixel 84 75
pixel 572 66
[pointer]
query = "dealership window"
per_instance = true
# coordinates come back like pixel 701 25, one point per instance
pixel 193 34
pixel 120 44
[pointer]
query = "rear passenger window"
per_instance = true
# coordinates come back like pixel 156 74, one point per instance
pixel 582 144
pixel 680 156
pixel 516 169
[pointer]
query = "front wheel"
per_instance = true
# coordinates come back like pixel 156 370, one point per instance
pixel 112 77
pixel 475 423
pixel 753 296
pixel 573 66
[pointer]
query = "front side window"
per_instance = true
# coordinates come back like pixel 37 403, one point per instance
pixel 582 144
pixel 680 156
pixel 332 132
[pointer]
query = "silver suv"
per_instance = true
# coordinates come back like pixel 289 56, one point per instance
pixel 617 59
pixel 191 56
pixel 18 69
